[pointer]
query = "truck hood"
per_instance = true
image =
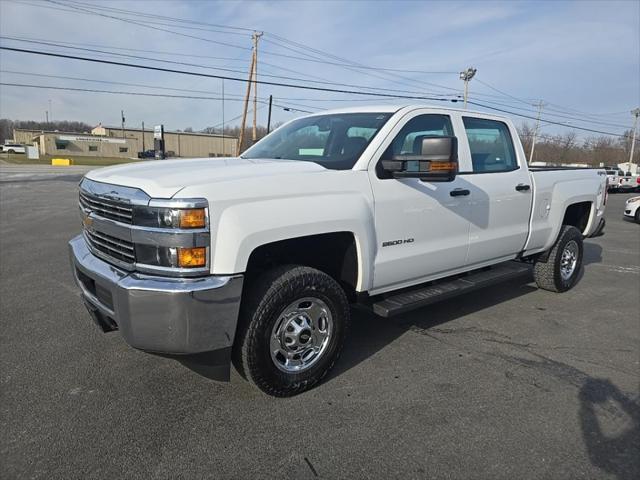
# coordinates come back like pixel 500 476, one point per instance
pixel 165 178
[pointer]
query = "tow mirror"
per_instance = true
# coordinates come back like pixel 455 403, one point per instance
pixel 437 162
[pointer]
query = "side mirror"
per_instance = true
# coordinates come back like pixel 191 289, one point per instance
pixel 437 162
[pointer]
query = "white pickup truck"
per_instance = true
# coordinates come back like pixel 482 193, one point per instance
pixel 257 259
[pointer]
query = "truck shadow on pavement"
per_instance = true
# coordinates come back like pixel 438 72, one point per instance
pixel 592 253
pixel 616 448
pixel 380 332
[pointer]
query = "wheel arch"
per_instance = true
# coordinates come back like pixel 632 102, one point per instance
pixel 335 253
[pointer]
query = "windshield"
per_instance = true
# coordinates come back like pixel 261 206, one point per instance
pixel 335 141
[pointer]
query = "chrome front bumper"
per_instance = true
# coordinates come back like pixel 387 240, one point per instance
pixel 174 316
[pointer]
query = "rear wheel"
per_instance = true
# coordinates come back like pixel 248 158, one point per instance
pixel 559 271
pixel 293 322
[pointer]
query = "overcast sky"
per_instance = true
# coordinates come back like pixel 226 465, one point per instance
pixel 579 56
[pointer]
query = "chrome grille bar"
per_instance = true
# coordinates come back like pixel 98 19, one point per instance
pixel 112 209
pixel 111 246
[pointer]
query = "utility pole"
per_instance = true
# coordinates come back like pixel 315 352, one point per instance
pixel 143 137
pixel 50 110
pixel 466 76
pixel 46 114
pixel 246 107
pixel 122 116
pixel 256 36
pixel 636 114
pixel 223 146
pixel 535 132
pixel 269 117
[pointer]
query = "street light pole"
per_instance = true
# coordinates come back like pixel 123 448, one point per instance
pixel 636 114
pixel 467 75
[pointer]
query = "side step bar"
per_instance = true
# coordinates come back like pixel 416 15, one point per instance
pixel 407 300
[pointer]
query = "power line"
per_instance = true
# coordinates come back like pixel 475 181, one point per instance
pixel 290 101
pixel 162 17
pixel 503 93
pixel 138 94
pixel 302 87
pixel 138 57
pixel 199 74
pixel 279 40
pixel 493 102
pixel 112 82
pixel 546 120
pixel 566 109
pixel 245 29
pixel 133 22
pixel 87 11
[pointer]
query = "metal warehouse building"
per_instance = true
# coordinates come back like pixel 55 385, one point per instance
pixel 114 142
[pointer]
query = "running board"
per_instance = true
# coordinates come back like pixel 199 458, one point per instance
pixel 420 297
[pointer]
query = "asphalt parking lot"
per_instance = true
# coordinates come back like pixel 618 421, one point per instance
pixel 510 382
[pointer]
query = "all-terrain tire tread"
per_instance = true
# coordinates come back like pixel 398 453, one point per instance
pixel 261 298
pixel 546 273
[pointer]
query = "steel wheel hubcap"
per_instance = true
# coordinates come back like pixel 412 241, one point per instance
pixel 301 335
pixel 569 260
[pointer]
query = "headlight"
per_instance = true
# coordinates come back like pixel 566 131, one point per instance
pixel 633 200
pixel 162 217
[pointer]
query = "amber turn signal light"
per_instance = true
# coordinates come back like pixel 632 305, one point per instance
pixel 442 166
pixel 193 218
pixel 192 257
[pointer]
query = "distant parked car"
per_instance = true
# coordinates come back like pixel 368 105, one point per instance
pixel 147 154
pixel 613 177
pixel 632 208
pixel 629 183
pixel 12 148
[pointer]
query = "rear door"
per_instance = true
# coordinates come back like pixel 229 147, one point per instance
pixel 501 190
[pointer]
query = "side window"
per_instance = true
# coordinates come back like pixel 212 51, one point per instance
pixel 409 140
pixel 491 145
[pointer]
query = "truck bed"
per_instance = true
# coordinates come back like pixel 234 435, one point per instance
pixel 557 187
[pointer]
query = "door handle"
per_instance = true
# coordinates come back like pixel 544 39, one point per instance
pixel 521 187
pixel 459 192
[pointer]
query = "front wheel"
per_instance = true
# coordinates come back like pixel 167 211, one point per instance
pixel 559 271
pixel 293 322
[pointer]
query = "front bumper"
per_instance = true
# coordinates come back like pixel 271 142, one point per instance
pixel 173 316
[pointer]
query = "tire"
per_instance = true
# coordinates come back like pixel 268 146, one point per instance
pixel 11 151
pixel 290 309
pixel 560 271
pixel 636 217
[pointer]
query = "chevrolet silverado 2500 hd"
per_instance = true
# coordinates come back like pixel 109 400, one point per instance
pixel 256 259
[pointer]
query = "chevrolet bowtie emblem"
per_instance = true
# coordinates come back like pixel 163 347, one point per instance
pixel 87 221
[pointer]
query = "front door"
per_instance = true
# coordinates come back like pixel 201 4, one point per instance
pixel 422 229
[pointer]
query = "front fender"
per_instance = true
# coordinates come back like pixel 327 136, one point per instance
pixel 243 227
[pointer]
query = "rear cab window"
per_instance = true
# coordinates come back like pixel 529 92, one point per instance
pixel 491 145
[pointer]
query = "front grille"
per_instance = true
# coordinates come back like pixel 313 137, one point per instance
pixel 111 246
pixel 108 208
